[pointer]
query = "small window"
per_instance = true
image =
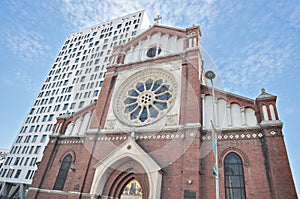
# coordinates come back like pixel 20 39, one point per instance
pixel 50 117
pixel 95 93
pixel 37 149
pixel 34 139
pixel 72 106
pixel 44 137
pixel 153 52
pixel 18 173
pixel 81 104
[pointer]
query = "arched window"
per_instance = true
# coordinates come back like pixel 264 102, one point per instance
pixel 272 112
pixel 265 113
pixel 63 173
pixel 234 177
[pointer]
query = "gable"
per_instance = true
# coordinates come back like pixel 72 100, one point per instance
pixel 158 41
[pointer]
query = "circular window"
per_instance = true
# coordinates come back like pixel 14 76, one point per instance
pixel 153 52
pixel 145 97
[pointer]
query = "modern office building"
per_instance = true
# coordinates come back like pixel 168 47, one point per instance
pixel 73 82
pixel 150 135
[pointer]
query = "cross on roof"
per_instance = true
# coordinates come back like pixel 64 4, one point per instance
pixel 157 19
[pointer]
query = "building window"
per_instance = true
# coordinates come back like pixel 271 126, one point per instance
pixel 31 149
pixel 72 106
pixel 31 129
pixel 28 174
pixel 96 93
pixel 63 173
pixel 44 137
pixel 26 161
pixel 81 104
pixel 10 173
pixel 234 177
pixel 50 117
pixel 153 51
pixel 65 107
pixel 44 118
pixel 34 139
pixel 18 173
pixel 37 149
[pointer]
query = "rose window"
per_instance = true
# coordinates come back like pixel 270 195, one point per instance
pixel 146 100
pixel 145 97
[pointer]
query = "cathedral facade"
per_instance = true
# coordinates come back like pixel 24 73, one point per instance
pixel 149 134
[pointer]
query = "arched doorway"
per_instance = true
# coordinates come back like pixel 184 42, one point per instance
pixel 129 173
pixel 125 165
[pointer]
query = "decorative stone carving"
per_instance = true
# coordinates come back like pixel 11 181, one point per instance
pixel 171 120
pixel 110 124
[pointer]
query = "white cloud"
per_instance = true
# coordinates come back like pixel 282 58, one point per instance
pixel 26 80
pixel 82 14
pixel 26 44
pixel 261 63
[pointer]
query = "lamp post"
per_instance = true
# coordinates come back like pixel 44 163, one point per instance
pixel 211 75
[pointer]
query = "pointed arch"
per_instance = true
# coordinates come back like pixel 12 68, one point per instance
pixel 110 167
pixel 238 151
pixel 69 152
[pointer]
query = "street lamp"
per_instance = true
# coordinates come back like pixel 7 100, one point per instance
pixel 211 75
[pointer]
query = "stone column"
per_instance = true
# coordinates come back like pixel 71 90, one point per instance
pixel 203 110
pixel 229 116
pixel 243 116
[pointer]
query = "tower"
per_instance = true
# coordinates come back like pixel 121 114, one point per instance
pixel 73 82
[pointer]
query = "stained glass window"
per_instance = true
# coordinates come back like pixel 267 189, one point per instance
pixel 153 52
pixel 146 100
pixel 63 173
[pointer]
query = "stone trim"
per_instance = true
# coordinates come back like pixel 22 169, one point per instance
pixel 59 192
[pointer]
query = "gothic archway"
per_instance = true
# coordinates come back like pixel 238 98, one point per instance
pixel 127 162
pixel 127 174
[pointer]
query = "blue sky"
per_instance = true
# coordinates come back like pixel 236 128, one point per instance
pixel 254 44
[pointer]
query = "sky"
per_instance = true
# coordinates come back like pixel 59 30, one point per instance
pixel 253 44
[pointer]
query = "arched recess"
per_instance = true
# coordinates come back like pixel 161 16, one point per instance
pixel 122 176
pixel 69 128
pixel 129 151
pixel 250 116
